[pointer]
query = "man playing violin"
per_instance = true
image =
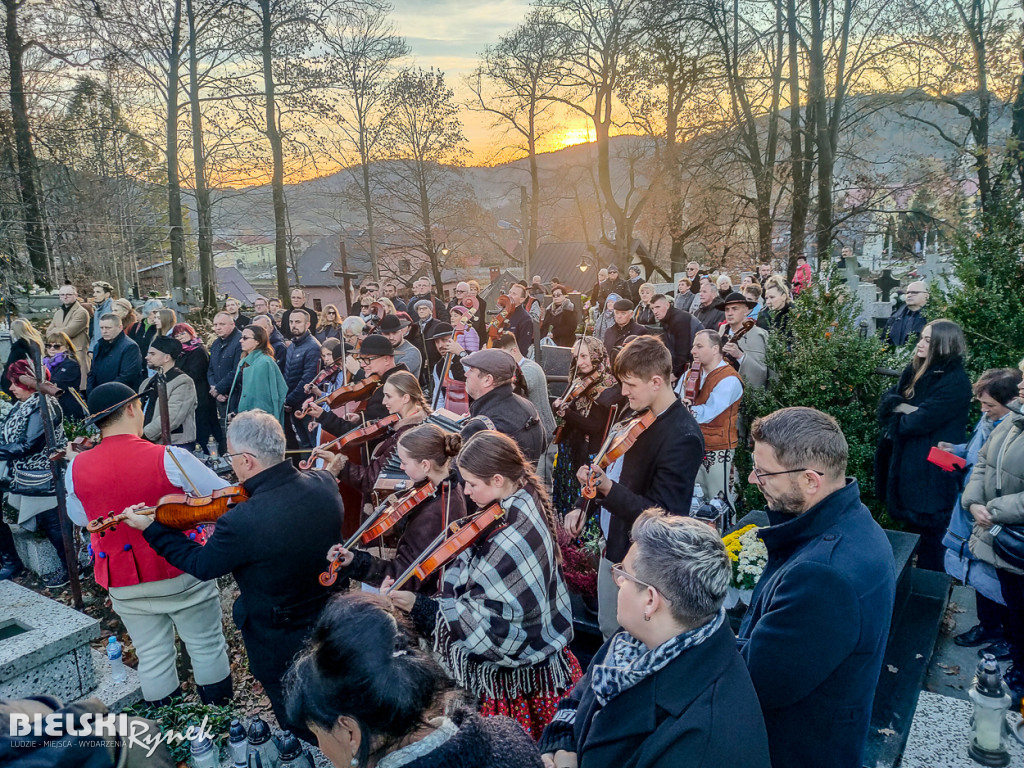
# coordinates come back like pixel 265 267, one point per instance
pixel 376 355
pixel 750 351
pixel 153 598
pixel 272 548
pixel 657 471
pixel 716 407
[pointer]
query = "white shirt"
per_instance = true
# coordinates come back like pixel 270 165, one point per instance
pixel 725 393
pixel 205 479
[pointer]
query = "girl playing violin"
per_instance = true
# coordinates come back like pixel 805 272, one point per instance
pixel 425 452
pixel 402 395
pixel 501 625
pixel 586 417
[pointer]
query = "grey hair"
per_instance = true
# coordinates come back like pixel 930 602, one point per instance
pixel 258 433
pixel 685 560
pixel 110 317
pixel 353 325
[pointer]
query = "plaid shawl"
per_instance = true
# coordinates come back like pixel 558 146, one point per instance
pixel 504 610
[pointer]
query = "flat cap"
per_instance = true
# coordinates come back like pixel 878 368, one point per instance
pixel 493 361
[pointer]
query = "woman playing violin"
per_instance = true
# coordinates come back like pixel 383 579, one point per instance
pixel 501 625
pixel 402 395
pixel 586 409
pixel 425 452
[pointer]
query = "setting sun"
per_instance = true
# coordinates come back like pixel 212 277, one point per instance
pixel 572 136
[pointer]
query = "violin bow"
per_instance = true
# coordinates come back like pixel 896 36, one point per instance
pixel 184 474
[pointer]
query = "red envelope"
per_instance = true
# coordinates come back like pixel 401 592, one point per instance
pixel 946 460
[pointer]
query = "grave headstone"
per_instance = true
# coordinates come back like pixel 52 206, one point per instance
pixel 886 283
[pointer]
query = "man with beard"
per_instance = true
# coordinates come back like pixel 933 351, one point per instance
pixel 818 623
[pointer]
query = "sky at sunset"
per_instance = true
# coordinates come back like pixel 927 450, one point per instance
pixel 449 35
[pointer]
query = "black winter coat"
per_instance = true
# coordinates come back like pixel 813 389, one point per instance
pixel 698 711
pixel 914 489
pixel 20 350
pixel 903 325
pixel 680 327
pixel 520 325
pixel 274 544
pixel 117 360
pixel 482 742
pixel 510 414
pixel 659 470
pixel 224 357
pixel 616 336
pixel 561 325
pixel 816 631
pixel 194 363
pixel 67 376
pixel 300 368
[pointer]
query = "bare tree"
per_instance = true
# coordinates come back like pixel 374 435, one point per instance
pixel 366 45
pixel 516 82
pixel 424 136
pixel 27 166
pixel 600 36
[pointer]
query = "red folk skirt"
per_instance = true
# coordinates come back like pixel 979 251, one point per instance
pixel 533 711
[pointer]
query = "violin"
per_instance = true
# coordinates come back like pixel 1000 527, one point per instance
pixel 385 517
pixel 500 321
pixel 620 440
pixel 359 390
pixel 358 436
pixel 734 338
pixel 453 541
pixel 392 515
pixel 325 374
pixel 692 382
pixel 576 389
pixel 378 311
pixel 180 510
pixel 77 445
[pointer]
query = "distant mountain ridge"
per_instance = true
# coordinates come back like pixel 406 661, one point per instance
pixel 887 146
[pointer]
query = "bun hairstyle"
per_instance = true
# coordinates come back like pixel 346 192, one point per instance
pixel 489 453
pixel 361 662
pixel 430 442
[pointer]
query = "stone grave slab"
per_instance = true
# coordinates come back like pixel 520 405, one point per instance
pixel 44 646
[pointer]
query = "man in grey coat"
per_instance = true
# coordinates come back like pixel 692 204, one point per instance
pixel 181 395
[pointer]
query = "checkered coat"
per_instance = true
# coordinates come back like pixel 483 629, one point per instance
pixel 504 610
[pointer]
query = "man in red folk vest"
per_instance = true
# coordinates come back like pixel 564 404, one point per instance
pixel 152 597
pixel 716 408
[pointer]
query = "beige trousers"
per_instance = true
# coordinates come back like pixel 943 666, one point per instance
pixel 152 612
pixel 715 476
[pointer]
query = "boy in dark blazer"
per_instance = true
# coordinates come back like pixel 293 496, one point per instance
pixel 658 470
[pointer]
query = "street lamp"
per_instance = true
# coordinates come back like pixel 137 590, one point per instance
pixel 587 256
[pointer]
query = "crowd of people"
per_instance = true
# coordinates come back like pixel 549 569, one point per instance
pixel 405 621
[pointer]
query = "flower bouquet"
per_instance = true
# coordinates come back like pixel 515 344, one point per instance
pixel 748 556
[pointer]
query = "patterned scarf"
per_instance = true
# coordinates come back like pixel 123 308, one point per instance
pixel 628 661
pixel 15 427
pixel 599 359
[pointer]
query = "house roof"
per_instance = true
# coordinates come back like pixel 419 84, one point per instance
pixel 320 261
pixel 230 282
pixel 562 260
pixel 497 287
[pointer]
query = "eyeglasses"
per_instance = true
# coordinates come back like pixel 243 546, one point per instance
pixel 230 456
pixel 761 475
pixel 619 573
pixel 364 360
